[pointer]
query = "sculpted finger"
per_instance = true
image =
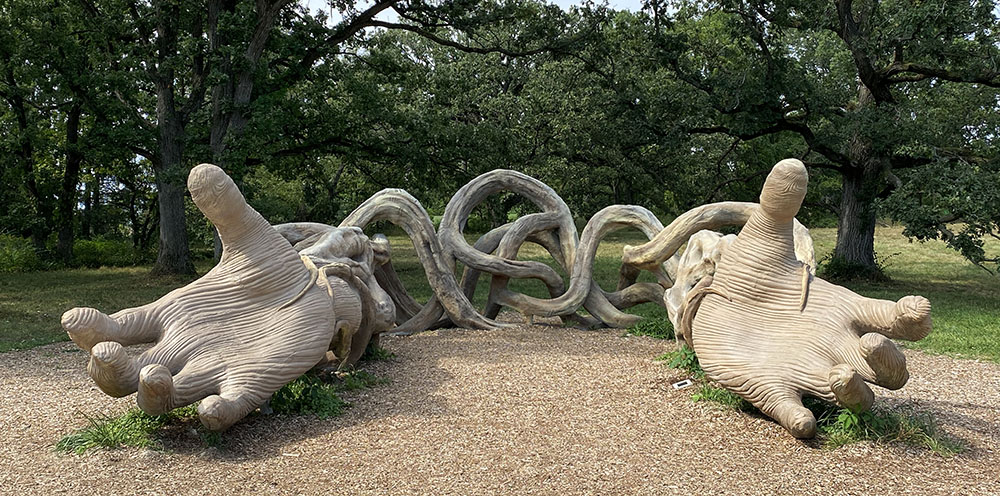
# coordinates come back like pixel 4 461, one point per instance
pixel 784 189
pixel 888 364
pixel 112 370
pixel 913 318
pixel 160 392
pixel 850 388
pixel 787 409
pixel 89 326
pixel 219 412
pixel 909 318
pixel 240 226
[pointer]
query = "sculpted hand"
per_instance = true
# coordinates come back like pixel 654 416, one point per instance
pixel 256 321
pixel 768 331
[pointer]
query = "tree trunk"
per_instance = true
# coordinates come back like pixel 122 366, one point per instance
pixel 174 256
pixel 863 181
pixel 25 154
pixel 71 177
pixel 856 225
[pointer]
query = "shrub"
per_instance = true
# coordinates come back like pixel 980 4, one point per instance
pixel 94 253
pixel 18 255
pixel 308 395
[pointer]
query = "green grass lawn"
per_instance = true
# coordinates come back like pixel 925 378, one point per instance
pixel 965 298
pixel 31 303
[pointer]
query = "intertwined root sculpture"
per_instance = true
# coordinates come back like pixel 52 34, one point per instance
pixel 768 331
pixel 259 319
pixel 285 299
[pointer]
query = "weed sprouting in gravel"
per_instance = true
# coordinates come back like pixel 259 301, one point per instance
pixel 838 427
pixel 131 429
pixel 683 358
pixel 375 353
pixel 654 327
pixel 310 394
pixel 724 397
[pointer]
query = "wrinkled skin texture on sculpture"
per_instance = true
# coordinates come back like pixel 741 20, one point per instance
pixel 698 261
pixel 256 321
pixel 347 258
pixel 752 335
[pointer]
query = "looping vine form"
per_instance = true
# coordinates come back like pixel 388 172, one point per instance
pixel 552 228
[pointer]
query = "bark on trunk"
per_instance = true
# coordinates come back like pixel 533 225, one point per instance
pixel 862 182
pixel 174 254
pixel 856 225
pixel 67 198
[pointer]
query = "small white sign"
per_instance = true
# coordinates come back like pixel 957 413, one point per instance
pixel 683 384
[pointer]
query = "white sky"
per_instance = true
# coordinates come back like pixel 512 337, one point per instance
pixel 389 16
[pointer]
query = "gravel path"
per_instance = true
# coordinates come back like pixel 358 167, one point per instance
pixel 540 410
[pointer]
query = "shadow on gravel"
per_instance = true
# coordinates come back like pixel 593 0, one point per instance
pixel 263 436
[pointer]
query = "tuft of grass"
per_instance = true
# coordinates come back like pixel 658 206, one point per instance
pixel 683 358
pixel 132 429
pixel 308 395
pixel 724 397
pixel 654 327
pixel 838 427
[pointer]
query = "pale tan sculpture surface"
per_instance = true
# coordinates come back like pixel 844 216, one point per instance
pixel 286 299
pixel 262 317
pixel 701 254
pixel 763 334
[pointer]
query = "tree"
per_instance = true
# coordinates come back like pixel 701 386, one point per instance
pixel 854 82
pixel 46 72
pixel 205 71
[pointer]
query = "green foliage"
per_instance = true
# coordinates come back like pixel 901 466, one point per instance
pixel 658 327
pixel 318 395
pixel 18 255
pixel 683 358
pixel 133 429
pixel 375 353
pixel 94 253
pixel 942 193
pixel 724 397
pixel 308 395
pixel 358 379
pixel 838 427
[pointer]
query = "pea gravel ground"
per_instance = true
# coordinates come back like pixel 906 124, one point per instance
pixel 529 410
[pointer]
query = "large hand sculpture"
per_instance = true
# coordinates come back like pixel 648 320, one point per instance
pixel 256 321
pixel 768 331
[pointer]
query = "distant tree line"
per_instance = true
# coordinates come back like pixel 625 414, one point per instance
pixel 106 104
